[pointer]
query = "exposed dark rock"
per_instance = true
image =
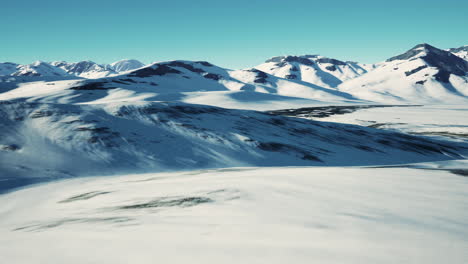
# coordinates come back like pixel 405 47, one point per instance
pixel 41 113
pixel 291 76
pixel 331 61
pixel 442 76
pixel 94 129
pixel 159 70
pixel 413 71
pixel 168 202
pixel 326 111
pixel 299 59
pixel 10 147
pixel 331 68
pixel 92 86
pixel 84 196
pixel 205 63
pixel 185 66
pixel 213 76
pixel 261 77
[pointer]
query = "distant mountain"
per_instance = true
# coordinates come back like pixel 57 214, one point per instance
pixel 85 69
pixel 422 74
pixel 461 52
pixel 179 80
pixel 314 69
pixel 126 65
pixel 7 68
pixel 56 70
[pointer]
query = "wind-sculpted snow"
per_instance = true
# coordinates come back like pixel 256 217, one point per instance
pixel 243 215
pixel 55 140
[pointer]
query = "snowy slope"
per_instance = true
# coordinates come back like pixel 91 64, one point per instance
pixel 61 140
pixel 423 74
pixel 256 215
pixel 314 69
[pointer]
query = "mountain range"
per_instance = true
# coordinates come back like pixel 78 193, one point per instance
pixel 423 74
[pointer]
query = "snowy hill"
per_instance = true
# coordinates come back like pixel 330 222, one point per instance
pixel 424 74
pixel 62 140
pixel 314 69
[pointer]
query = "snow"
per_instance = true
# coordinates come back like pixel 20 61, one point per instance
pixel 447 122
pixel 248 215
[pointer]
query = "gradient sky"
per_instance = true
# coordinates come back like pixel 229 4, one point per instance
pixel 233 34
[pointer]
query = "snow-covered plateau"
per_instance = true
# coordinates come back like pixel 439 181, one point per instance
pixel 302 159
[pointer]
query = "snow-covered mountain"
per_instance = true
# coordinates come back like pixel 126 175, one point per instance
pixel 126 65
pixel 40 140
pixel 7 68
pixel 85 69
pixel 39 69
pixel 188 81
pixel 461 52
pixel 314 69
pixel 92 70
pixel 57 70
pixel 424 74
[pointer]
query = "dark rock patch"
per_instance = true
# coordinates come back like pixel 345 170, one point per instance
pixel 408 73
pixel 331 61
pixel 155 70
pixel 213 76
pixel 168 202
pixel 10 147
pixel 92 86
pixel 83 196
pixel 185 66
pixel 205 63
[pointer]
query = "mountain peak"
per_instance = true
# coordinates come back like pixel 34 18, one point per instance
pixel 126 65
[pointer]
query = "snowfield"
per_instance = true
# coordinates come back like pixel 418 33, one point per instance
pixel 247 215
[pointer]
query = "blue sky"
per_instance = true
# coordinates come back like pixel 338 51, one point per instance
pixel 232 34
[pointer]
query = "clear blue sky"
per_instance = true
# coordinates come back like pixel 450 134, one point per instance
pixel 232 34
